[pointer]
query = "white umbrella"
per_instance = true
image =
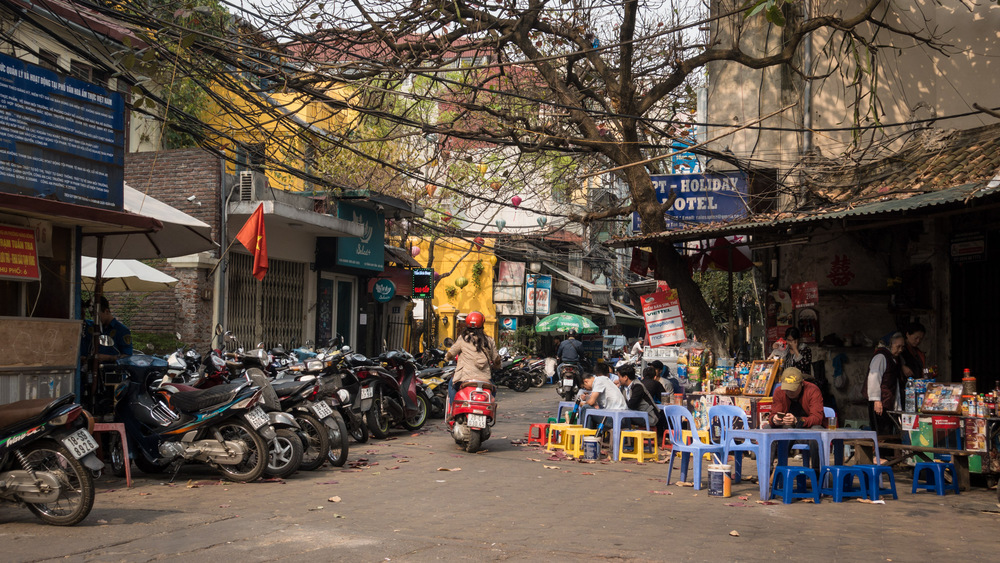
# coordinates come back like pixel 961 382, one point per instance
pixel 124 275
pixel 181 234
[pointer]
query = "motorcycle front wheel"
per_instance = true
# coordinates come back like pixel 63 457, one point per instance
pixel 116 454
pixel 378 419
pixel 317 441
pixel 337 454
pixel 255 453
pixel 284 453
pixel 538 378
pixel 357 429
pixel 76 496
pixel 519 381
pixel 416 422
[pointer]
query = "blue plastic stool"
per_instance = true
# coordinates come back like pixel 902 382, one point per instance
pixel 789 483
pixel 936 482
pixel 842 482
pixel 874 475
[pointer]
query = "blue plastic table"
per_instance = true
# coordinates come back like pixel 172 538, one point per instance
pixel 617 416
pixel 783 437
pixel 831 437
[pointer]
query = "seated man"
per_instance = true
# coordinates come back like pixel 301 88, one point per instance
pixel 637 398
pixel 797 403
pixel 651 381
pixel 599 392
pixel 603 369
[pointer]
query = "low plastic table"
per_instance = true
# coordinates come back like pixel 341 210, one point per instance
pixel 617 416
pixel 765 437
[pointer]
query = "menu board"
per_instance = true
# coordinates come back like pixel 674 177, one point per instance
pixel 761 378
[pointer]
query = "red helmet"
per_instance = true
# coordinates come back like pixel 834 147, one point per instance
pixel 475 319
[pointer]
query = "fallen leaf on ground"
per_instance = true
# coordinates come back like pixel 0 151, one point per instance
pixel 315 509
pixel 551 466
pixel 532 459
pixel 339 516
pixel 145 494
pixel 334 499
pixel 661 492
pixel 223 506
pixel 587 473
pixel 734 533
pixel 350 471
pixel 737 504
pixel 746 497
pixel 767 502
pixel 327 483
pixel 409 443
pixel 389 469
pixel 102 521
pixel 627 470
pixel 452 469
pixel 684 484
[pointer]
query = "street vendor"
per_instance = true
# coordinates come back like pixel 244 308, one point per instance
pixel 110 326
pixel 798 355
pixel 885 383
pixel 797 403
pixel 912 358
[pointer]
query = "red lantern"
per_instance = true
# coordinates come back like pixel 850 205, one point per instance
pixel 479 241
pixel 516 200
pixel 430 190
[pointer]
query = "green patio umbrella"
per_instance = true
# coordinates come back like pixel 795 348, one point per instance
pixel 565 322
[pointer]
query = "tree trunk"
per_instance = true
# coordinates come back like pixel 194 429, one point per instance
pixel 670 265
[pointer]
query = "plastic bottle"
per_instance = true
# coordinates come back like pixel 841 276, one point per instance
pixel 911 396
pixel 965 406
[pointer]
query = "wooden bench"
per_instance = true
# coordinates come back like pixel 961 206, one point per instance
pixel 865 453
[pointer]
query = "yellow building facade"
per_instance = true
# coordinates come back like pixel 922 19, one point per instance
pixel 467 271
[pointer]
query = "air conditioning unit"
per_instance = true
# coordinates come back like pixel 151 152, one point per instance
pixel 252 186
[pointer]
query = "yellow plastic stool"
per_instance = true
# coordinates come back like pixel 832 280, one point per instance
pixel 557 435
pixel 644 445
pixel 574 440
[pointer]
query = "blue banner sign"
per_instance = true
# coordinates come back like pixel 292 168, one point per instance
pixel 367 251
pixel 701 198
pixel 60 138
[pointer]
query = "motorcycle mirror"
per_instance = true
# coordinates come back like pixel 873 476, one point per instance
pixel 502 351
pixel 346 350
pixel 177 335
pixel 260 345
pixel 149 346
pixel 105 340
pixel 218 328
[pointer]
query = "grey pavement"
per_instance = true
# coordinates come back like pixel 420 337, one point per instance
pixel 511 502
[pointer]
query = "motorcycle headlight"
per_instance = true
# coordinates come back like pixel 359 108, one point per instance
pixel 345 397
pixel 314 365
pixel 262 356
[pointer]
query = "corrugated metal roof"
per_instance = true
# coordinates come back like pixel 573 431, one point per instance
pixel 958 194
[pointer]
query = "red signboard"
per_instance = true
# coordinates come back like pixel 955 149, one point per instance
pixel 664 323
pixel 805 294
pixel 18 255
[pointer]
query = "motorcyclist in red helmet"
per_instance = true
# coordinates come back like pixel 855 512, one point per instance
pixel 476 353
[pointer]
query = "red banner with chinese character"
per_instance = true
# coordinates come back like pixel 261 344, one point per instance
pixel 18 255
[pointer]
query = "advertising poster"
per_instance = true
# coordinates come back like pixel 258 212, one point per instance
pixel 18 257
pixel 537 299
pixel 664 322
pixel 805 294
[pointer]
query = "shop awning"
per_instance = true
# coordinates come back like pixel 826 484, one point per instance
pixel 91 220
pixel 401 257
pixel 913 207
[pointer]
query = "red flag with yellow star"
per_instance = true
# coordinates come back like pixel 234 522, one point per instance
pixel 252 237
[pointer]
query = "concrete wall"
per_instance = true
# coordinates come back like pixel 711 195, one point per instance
pixel 861 307
pixel 916 81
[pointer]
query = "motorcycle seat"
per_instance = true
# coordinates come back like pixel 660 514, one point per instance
pixel 472 383
pixel 289 388
pixel 20 411
pixel 193 401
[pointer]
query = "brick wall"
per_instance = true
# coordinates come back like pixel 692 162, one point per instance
pixel 172 177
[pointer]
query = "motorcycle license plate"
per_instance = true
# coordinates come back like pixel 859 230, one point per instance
pixel 567 383
pixel 322 410
pixel 429 392
pixel 367 392
pixel 477 421
pixel 256 417
pixel 80 443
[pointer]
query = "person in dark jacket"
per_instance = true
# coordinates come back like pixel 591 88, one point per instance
pixel 638 398
pixel 797 403
pixel 886 383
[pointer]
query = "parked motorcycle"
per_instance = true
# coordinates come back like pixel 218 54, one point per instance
pixel 511 373
pixel 324 427
pixel 46 459
pixel 436 380
pixel 223 426
pixel 472 413
pixel 344 390
pixel 399 399
pixel 536 371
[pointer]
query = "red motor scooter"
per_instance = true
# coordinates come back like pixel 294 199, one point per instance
pixel 472 413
